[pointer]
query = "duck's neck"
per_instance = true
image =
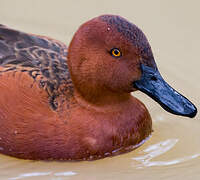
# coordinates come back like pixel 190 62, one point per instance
pixel 103 100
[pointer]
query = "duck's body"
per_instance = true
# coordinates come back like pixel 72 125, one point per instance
pixel 41 119
pixel 45 113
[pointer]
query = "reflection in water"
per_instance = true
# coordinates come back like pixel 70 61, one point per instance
pixel 33 174
pixel 39 174
pixel 158 149
pixel 69 173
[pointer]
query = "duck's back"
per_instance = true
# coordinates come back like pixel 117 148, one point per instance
pixel 35 85
pixel 34 61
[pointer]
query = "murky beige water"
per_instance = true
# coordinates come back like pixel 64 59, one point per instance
pixel 173 29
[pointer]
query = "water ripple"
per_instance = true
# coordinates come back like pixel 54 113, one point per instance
pixel 35 174
pixel 158 149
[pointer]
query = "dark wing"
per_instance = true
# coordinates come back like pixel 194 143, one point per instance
pixel 42 58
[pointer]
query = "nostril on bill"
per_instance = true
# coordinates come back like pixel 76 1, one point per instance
pixel 153 78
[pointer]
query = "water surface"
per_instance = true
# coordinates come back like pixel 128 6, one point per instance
pixel 172 27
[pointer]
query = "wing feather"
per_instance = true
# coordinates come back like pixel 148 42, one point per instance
pixel 42 58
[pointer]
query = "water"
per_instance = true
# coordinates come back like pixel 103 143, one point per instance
pixel 172 27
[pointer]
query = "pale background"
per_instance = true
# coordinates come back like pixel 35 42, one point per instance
pixel 173 30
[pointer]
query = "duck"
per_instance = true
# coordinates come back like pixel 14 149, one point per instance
pixel 75 103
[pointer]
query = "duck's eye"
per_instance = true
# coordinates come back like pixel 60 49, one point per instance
pixel 115 52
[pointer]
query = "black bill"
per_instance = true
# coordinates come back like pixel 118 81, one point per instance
pixel 152 84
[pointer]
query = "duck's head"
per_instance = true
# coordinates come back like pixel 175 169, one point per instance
pixel 110 56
